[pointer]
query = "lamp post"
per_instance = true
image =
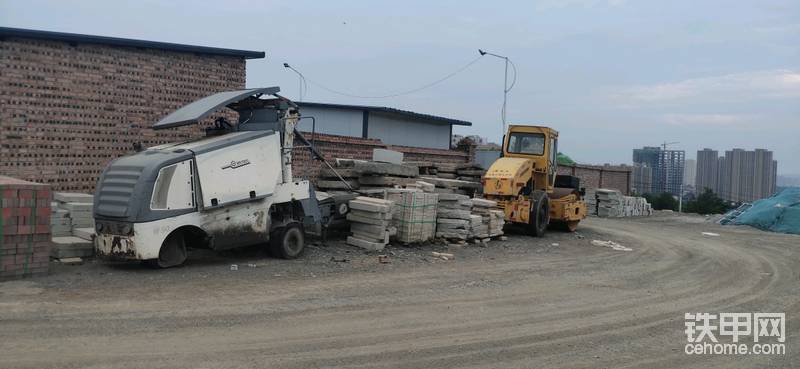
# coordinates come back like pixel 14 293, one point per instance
pixel 506 87
pixel 302 80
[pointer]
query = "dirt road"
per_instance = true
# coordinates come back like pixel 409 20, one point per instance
pixel 520 303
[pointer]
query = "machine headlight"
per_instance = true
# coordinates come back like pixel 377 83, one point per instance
pixel 98 227
pixel 127 229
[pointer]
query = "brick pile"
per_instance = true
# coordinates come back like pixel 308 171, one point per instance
pixel 24 228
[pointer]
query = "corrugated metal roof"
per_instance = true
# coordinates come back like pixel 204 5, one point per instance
pixel 393 111
pixel 6 32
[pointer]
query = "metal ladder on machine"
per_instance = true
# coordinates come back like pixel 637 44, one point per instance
pixel 733 214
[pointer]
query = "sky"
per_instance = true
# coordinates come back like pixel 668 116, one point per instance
pixel 609 75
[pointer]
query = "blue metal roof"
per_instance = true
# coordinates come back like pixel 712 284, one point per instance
pixel 391 111
pixel 6 32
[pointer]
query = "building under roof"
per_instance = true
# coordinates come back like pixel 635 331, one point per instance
pixel 392 126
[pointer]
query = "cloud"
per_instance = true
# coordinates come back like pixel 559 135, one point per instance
pixel 715 120
pixel 559 4
pixel 736 87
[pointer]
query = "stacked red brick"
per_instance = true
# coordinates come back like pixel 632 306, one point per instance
pixel 24 228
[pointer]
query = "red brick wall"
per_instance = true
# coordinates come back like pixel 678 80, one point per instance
pixel 601 176
pixel 333 146
pixel 24 228
pixel 69 109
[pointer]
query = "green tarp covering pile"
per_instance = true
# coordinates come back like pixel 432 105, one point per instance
pixel 564 160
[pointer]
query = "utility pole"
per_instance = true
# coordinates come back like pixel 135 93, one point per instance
pixel 506 87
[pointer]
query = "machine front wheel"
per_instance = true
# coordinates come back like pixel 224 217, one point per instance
pixel 540 215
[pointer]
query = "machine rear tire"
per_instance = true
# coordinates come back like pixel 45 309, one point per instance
pixel 540 215
pixel 288 242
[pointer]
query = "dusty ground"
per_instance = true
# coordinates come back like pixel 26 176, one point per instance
pixel 520 303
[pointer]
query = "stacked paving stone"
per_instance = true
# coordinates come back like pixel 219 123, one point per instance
pixel 454 217
pixel 73 210
pixel 24 228
pixel 370 223
pixel 413 214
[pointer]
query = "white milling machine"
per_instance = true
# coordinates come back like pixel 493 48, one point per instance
pixel 232 188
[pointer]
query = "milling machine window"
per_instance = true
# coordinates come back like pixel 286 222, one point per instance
pixel 526 143
pixel 173 188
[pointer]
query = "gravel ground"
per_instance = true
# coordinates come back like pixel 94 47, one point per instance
pixel 525 302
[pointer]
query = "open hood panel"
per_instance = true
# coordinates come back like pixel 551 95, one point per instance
pixel 199 109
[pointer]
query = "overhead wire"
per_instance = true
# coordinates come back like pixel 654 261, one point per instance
pixel 401 93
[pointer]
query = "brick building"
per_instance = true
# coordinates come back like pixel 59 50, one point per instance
pixel 70 102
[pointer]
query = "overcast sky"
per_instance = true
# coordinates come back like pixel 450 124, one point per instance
pixel 609 75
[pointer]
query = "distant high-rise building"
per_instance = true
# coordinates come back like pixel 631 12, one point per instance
pixel 642 178
pixel 739 175
pixel 689 173
pixel 707 171
pixel 667 168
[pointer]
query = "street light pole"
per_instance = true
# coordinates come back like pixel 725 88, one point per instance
pixel 506 88
pixel 302 80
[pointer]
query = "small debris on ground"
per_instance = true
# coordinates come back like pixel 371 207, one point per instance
pixel 339 260
pixel 502 238
pixel 383 259
pixel 71 261
pixel 234 267
pixel 554 244
pixel 712 234
pixel 611 244
pixel 443 255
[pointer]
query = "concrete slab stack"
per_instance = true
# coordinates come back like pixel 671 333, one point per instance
pixel 635 207
pixel 363 174
pixel 454 217
pixel 73 211
pixel 24 228
pixel 370 223
pixel 471 172
pixel 444 185
pixel 78 207
pixel 591 201
pixel 483 208
pixel 611 203
pixel 497 219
